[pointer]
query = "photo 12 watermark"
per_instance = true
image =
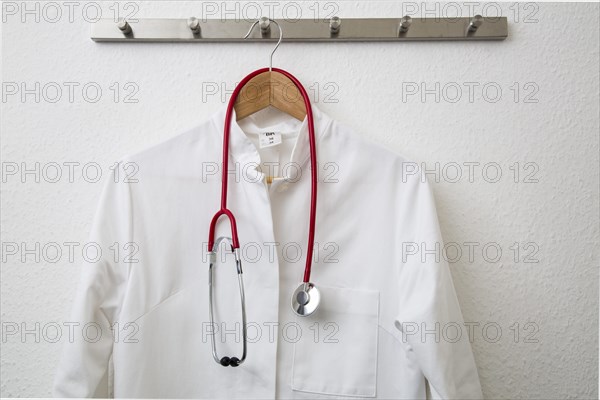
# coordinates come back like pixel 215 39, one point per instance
pixel 34 172
pixel 526 172
pixel 470 92
pixel 69 92
pixel 452 332
pixel 54 12
pixel 319 92
pixel 470 252
pixel 69 252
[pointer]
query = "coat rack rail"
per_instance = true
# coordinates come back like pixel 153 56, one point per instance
pixel 197 30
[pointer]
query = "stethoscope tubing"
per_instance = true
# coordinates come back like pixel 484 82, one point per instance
pixel 225 165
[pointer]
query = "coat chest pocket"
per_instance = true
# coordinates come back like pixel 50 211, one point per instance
pixel 337 351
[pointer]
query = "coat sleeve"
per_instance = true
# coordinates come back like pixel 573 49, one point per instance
pixel 429 318
pixel 84 364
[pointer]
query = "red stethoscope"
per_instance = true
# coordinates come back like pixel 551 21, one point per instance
pixel 306 297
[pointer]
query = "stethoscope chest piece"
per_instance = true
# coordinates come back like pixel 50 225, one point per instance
pixel 305 299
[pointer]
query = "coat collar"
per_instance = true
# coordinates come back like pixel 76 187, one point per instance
pixel 242 150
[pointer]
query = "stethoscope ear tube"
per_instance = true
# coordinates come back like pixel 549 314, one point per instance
pixel 225 165
pixel 227 361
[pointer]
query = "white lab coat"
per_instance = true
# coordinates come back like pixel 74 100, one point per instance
pixel 389 315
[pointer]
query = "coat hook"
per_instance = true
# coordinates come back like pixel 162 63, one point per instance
pixel 194 25
pixel 405 23
pixel 334 25
pixel 265 25
pixel 475 23
pixel 401 28
pixel 124 27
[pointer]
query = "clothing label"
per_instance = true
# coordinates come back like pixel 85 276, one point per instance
pixel 268 139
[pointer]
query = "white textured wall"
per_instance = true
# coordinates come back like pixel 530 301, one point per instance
pixel 549 127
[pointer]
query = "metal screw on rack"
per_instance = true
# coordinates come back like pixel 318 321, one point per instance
pixel 475 23
pixel 124 27
pixel 194 25
pixel 334 25
pixel 405 23
pixel 265 25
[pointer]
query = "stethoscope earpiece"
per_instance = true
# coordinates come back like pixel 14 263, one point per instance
pixel 227 361
pixel 230 362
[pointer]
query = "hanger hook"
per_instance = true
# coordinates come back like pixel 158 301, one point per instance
pixel 278 42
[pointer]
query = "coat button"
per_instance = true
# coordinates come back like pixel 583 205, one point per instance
pixel 283 187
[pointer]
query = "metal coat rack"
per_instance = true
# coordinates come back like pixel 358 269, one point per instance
pixel 335 29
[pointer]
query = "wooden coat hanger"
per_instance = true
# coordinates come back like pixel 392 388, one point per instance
pixel 269 88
